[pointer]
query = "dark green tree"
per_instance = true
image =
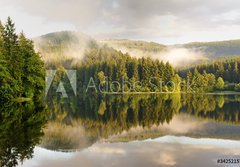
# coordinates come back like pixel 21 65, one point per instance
pixel 22 70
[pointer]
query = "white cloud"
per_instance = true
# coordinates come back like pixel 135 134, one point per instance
pixel 169 21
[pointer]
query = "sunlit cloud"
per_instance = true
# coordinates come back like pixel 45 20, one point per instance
pixel 166 21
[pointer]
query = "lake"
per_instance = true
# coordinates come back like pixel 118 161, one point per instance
pixel 122 130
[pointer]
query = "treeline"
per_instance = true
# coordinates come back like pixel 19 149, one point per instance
pixel 105 65
pixel 201 83
pixel 21 68
pixel 228 69
pixel 225 70
pixel 115 66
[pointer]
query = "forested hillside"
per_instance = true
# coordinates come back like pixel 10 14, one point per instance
pixel 228 69
pixel 104 65
pixel 139 45
pixel 63 46
pixel 101 63
pixel 216 49
pixel 67 44
pixel 209 49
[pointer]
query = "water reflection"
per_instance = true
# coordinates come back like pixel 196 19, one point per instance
pixel 220 108
pixel 163 151
pixel 77 124
pixel 21 130
pixel 120 130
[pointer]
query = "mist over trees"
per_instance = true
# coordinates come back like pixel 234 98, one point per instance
pixel 23 73
pixel 102 62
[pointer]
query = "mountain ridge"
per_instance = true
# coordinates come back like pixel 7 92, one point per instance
pixel 60 44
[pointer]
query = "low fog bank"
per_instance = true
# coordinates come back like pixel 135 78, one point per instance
pixel 67 45
pixel 180 57
pixel 177 56
pixel 63 45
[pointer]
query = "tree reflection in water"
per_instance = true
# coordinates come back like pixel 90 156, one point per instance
pixel 94 116
pixel 21 130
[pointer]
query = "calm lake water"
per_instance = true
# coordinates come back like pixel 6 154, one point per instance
pixel 121 130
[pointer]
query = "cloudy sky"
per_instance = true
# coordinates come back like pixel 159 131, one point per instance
pixel 163 21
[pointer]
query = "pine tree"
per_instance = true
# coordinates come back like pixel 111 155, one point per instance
pixel 131 66
pixel 10 42
pixel 235 72
pixel 169 72
pixel 13 60
pixel 220 69
pixel 220 83
pixel 146 73
pixel 5 77
pixel 6 90
pixel 161 69
pixel 33 69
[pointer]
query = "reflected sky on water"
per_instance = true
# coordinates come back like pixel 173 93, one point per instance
pixel 163 151
pixel 135 130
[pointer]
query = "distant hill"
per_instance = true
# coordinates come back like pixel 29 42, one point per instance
pixel 177 56
pixel 63 45
pixel 131 44
pixel 216 49
pixel 210 49
pixel 67 45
